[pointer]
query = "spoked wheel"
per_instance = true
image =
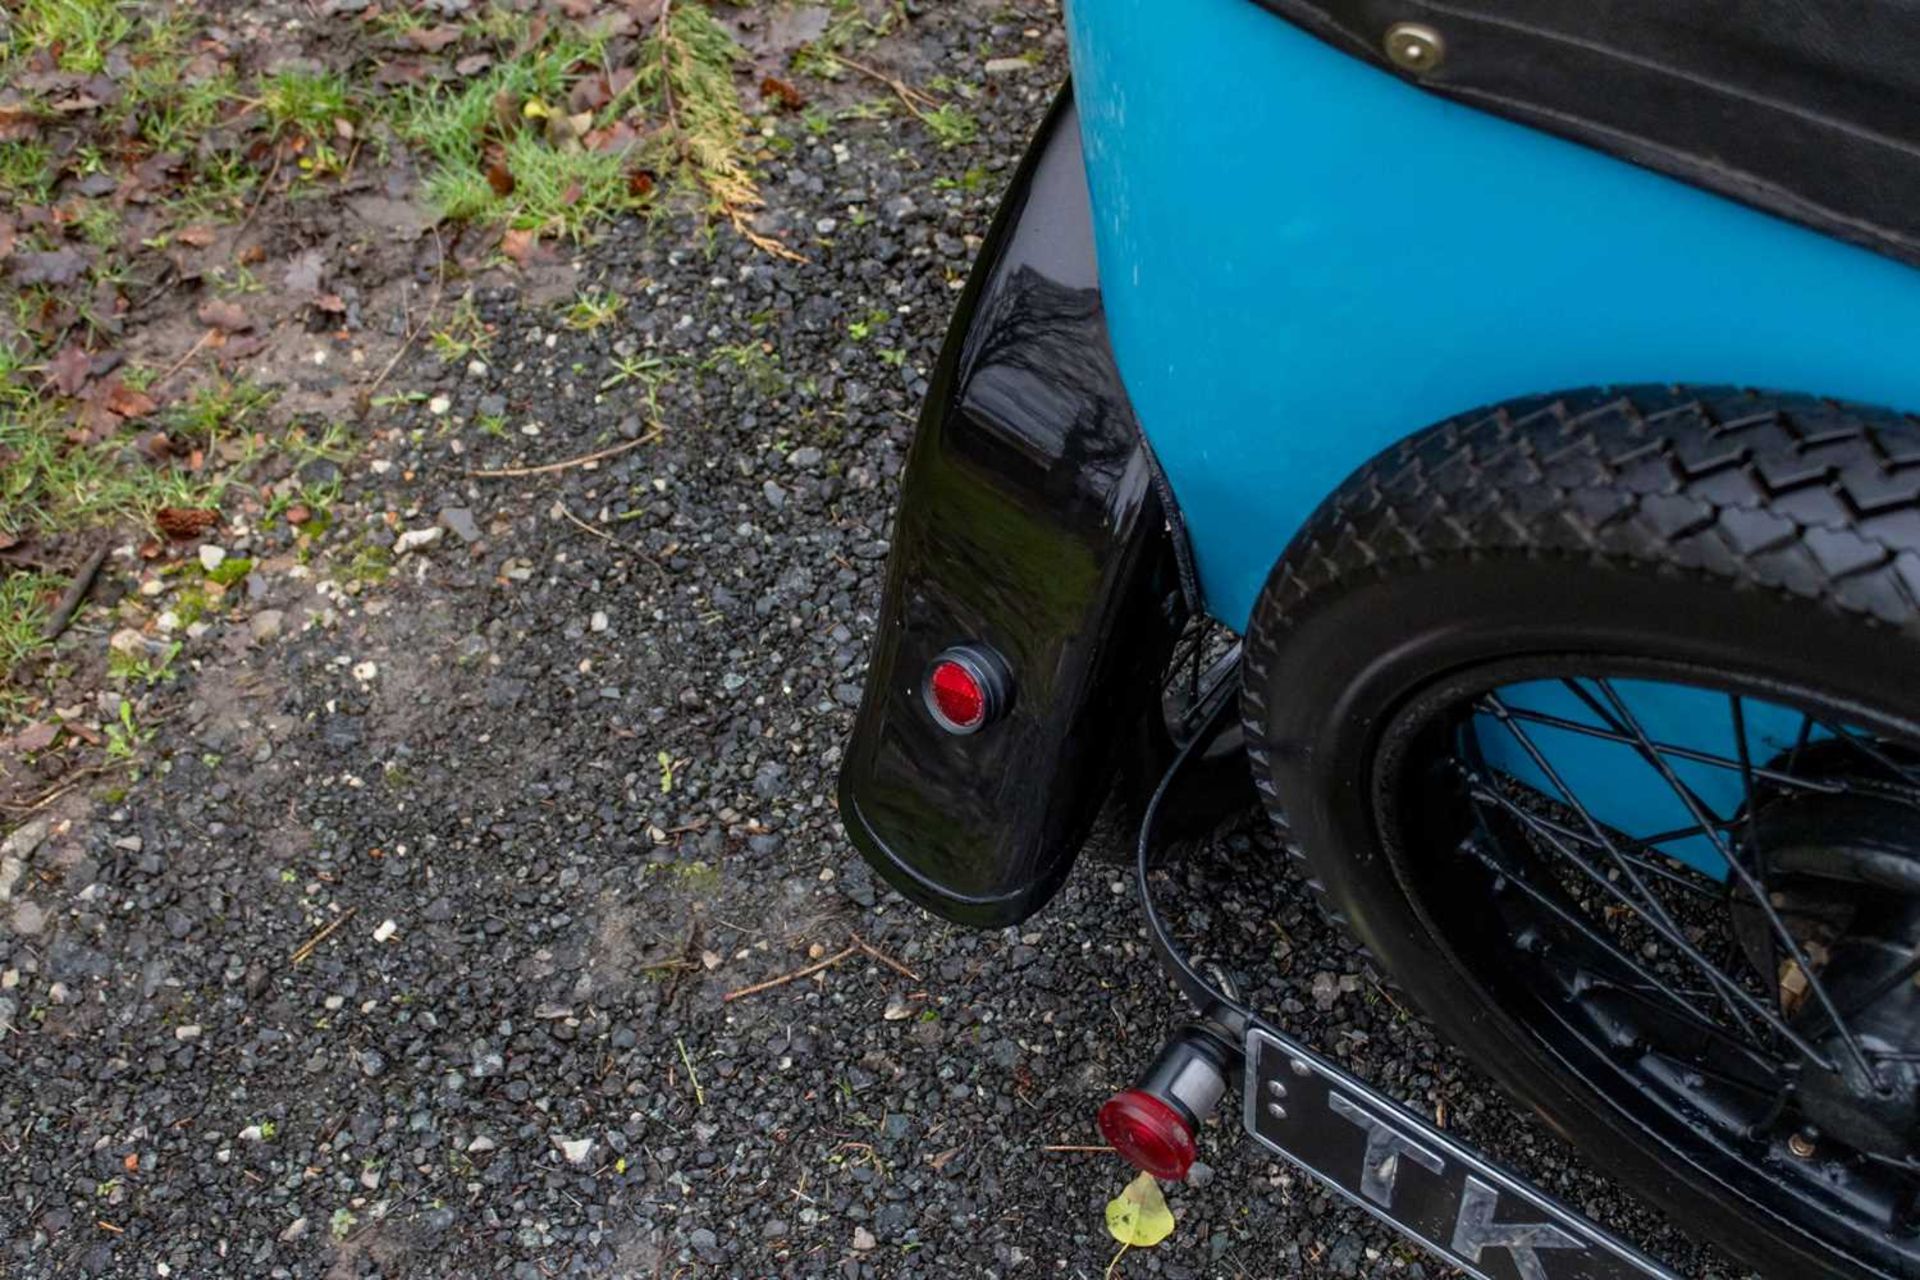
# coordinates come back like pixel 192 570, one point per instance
pixel 1586 731
pixel 1701 897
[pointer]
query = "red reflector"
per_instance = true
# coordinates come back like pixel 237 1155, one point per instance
pixel 957 695
pixel 1149 1134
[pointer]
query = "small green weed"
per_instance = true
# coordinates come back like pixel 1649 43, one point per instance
pixel 753 363
pixel 148 669
pixel 951 125
pixel 124 736
pixel 860 330
pixel 974 180
pixel 464 333
pixel 594 309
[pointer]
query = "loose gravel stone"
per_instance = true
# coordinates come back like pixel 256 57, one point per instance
pixel 591 834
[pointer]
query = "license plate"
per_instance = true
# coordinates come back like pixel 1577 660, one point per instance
pixel 1467 1210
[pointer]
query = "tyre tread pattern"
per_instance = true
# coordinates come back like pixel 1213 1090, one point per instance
pixel 1817 500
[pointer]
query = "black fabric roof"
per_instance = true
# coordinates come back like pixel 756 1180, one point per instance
pixel 1806 108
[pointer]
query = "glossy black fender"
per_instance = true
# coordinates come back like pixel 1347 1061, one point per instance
pixel 1031 521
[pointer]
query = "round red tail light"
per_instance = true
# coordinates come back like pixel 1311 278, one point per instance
pixel 966 688
pixel 1149 1134
pixel 957 695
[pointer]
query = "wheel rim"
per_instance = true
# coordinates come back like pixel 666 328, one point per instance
pixel 1761 1025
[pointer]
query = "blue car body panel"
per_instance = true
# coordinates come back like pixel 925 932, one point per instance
pixel 1303 259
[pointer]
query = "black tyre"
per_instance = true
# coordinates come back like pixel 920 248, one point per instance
pixel 1486 678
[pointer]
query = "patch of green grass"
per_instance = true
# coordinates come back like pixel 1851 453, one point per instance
pixel 554 190
pixel 25 602
pixel 502 149
pixel 315 109
pixel 170 113
pixel 78 33
pixel 300 101
pixel 27 172
pixel 52 483
pixel 554 187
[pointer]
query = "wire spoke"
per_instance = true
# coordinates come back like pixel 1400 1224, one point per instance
pixel 1735 997
pixel 1689 754
pixel 1782 934
pixel 1692 882
pixel 1579 923
pixel 1870 750
pixel 1648 906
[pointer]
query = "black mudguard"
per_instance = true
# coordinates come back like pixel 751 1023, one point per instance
pixel 1031 521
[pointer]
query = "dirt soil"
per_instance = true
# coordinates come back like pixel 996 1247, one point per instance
pixel 402 945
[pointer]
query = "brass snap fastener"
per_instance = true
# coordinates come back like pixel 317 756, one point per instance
pixel 1414 46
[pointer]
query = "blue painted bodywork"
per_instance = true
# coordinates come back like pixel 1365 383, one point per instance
pixel 1303 259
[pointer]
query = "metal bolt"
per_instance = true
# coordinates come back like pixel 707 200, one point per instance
pixel 1300 1067
pixel 1414 46
pixel 1277 1089
pixel 1277 1111
pixel 1804 1143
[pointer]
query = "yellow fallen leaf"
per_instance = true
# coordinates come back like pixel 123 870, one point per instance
pixel 1138 1217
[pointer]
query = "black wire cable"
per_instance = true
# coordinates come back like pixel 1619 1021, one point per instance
pixel 1216 710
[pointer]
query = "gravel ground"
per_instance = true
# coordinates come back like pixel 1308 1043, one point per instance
pixel 564 780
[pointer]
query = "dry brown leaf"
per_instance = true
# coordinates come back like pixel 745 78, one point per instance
pixel 68 371
pixel 433 39
pixel 18 122
pixel 185 523
pixel 198 236
pixel 219 313
pixel 35 737
pixel 790 98
pixel 506 111
pixel 618 136
pixel 126 401
pixel 55 266
pixel 517 244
